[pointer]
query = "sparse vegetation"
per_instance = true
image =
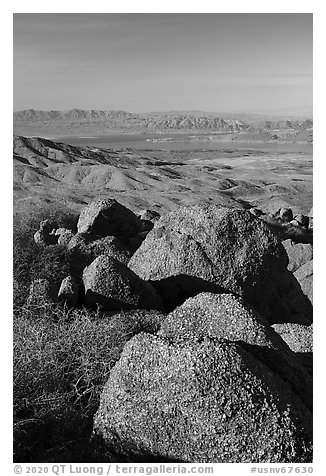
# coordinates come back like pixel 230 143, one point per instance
pixel 62 358
pixel 31 261
pixel 61 361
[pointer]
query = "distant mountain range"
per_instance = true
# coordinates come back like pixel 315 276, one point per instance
pixel 101 122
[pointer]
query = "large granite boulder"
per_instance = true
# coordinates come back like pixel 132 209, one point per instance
pixel 221 316
pixel 105 217
pixel 111 285
pixel 226 317
pixel 199 402
pixel 212 248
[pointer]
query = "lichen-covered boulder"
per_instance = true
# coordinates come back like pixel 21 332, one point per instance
pixel 199 402
pixel 112 285
pixel 105 217
pixel 212 247
pixel 226 317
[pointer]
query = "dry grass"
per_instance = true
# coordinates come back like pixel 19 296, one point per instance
pixel 62 358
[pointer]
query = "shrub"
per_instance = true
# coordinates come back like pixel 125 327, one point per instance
pixel 62 359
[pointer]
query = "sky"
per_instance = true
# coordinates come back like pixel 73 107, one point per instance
pixel 237 62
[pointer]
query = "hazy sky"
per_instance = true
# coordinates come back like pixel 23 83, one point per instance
pixel 151 62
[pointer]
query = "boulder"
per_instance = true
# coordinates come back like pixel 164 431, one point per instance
pixel 211 248
pixel 304 276
pixel 221 316
pixel 41 292
pixel 45 239
pixel 105 217
pixel 285 214
pixel 150 215
pixel 298 253
pixel 298 337
pixel 199 402
pixel 290 304
pixel 226 317
pixel 80 240
pixel 112 286
pixel 256 212
pixel 294 223
pixel 146 225
pixel 44 235
pixel 63 236
pixel 311 223
pixel 69 291
pixel 303 220
pixel 300 340
pixel 86 248
pixel 311 213
pixel 48 225
pixel 109 246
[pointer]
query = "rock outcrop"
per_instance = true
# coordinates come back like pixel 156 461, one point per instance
pixel 205 401
pixel 226 317
pixel 212 248
pixel 113 286
pixel 105 217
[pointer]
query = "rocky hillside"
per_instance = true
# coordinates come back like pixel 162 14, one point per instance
pixel 208 377
pixel 97 121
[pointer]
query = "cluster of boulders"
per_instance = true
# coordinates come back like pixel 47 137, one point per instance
pixel 286 224
pixel 227 377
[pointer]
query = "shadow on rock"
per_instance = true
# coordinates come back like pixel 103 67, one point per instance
pixel 175 290
pixel 287 367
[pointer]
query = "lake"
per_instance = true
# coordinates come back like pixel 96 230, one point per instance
pixel 178 142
